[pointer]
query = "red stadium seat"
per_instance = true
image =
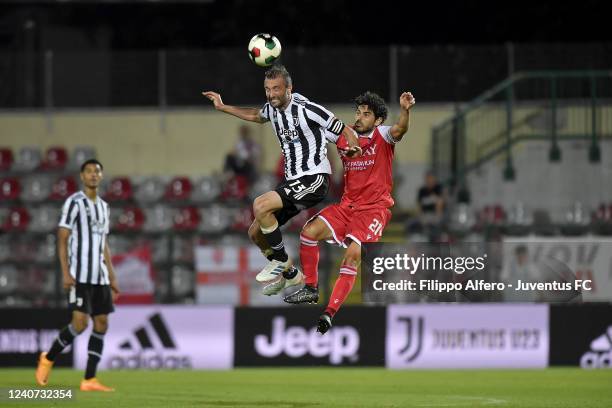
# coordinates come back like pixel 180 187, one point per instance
pixel 63 187
pixel 179 189
pixel 6 159
pixel 243 218
pixel 130 219
pixel 119 189
pixel 9 189
pixel 186 219
pixel 236 188
pixel 56 158
pixel 17 219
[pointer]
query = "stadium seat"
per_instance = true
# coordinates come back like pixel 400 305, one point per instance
pixel 577 220
pixel 56 158
pixel 8 277
pixel 43 219
pixel 206 190
pixel 130 219
pixel 63 188
pixel 119 189
pixel 10 189
pixel 149 190
pixel 183 281
pixel 601 220
pixel 158 219
pixel 242 219
pixel 542 223
pixel 235 189
pixel 186 219
pixel 215 219
pixel 519 220
pixel 16 220
pixel 182 249
pixel 46 248
pixel 462 219
pixel 160 251
pixel 5 240
pixel 79 156
pixel 6 159
pixel 28 159
pixel 179 189
pixel 36 188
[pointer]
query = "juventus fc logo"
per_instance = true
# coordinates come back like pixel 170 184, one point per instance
pixel 296 121
pixel 414 338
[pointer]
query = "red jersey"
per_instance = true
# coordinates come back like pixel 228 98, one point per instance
pixel 368 179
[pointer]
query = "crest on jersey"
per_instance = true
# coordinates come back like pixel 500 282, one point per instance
pixel 296 121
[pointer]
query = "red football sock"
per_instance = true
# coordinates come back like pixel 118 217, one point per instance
pixel 342 288
pixel 309 258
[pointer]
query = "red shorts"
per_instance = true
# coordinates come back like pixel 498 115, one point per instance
pixel 358 225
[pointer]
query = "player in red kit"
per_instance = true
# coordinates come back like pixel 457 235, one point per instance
pixel 363 211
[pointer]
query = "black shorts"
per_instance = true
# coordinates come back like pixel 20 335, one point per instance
pixel 91 299
pixel 301 193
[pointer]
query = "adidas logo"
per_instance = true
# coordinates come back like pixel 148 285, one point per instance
pixel 143 338
pixel 151 348
pixel 600 355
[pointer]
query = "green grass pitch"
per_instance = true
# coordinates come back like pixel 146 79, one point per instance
pixel 330 387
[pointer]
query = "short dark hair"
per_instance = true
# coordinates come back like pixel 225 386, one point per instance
pixel 278 70
pixel 374 102
pixel 91 161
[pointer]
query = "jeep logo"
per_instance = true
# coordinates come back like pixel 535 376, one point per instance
pixel 340 343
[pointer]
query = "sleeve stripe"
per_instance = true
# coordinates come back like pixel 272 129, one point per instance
pixel 317 110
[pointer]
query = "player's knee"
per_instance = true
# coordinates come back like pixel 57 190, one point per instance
pixel 260 207
pixel 79 324
pixel 312 231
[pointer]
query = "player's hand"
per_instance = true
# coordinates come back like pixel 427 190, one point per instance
pixel 214 97
pixel 354 151
pixel 407 101
pixel 68 281
pixel 114 289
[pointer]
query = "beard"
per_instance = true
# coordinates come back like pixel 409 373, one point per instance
pixel 361 130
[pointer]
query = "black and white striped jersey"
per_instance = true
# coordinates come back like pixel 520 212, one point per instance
pixel 301 130
pixel 89 223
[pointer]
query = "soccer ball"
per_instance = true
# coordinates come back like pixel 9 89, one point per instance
pixel 264 49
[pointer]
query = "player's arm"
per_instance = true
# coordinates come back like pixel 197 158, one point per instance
pixel 353 142
pixel 398 130
pixel 111 271
pixel 62 251
pixel 248 114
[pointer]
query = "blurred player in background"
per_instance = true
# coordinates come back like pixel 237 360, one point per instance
pixel 363 211
pixel 87 274
pixel 301 127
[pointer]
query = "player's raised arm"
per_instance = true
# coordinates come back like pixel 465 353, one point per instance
pixel 353 142
pixel 248 114
pixel 398 130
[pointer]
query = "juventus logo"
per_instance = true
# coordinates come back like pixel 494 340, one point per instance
pixel 414 338
pixel 296 121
